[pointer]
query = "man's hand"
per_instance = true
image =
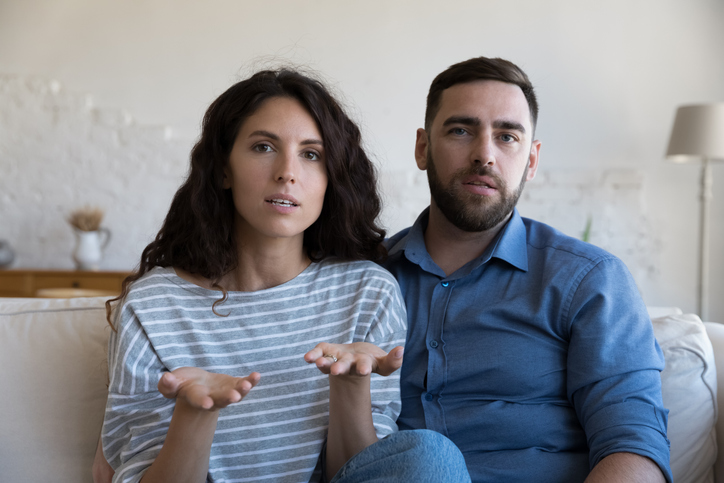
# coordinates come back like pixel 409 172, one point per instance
pixel 206 390
pixel 357 359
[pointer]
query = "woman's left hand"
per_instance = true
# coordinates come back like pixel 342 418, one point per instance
pixel 356 359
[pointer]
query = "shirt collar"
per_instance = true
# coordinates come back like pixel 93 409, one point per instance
pixel 412 245
pixel 510 246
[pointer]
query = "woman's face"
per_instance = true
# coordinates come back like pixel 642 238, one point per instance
pixel 277 172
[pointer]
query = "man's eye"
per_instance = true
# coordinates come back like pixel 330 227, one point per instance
pixel 507 138
pixel 458 131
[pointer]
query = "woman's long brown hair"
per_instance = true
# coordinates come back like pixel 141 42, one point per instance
pixel 197 234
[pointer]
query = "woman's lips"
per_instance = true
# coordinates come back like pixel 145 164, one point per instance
pixel 282 203
pixel 281 199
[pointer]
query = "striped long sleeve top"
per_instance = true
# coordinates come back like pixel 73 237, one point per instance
pixel 277 432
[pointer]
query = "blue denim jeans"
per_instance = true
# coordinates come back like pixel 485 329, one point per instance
pixel 418 456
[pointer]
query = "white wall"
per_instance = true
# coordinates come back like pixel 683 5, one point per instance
pixel 609 77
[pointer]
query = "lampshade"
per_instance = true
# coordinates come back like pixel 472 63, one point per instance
pixel 698 133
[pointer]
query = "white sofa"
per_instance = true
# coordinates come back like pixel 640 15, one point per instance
pixel 53 389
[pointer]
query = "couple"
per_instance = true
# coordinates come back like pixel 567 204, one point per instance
pixel 260 338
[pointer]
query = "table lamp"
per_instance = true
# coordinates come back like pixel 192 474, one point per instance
pixel 698 134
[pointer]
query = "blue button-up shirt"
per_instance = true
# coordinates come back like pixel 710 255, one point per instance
pixel 537 358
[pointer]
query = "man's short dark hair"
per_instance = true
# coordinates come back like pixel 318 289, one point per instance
pixel 477 69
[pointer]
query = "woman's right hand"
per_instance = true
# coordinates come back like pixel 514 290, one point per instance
pixel 206 390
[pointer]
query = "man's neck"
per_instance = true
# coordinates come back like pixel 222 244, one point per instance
pixel 450 247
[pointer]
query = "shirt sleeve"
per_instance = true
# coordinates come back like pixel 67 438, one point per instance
pixel 137 416
pixel 614 366
pixel 387 330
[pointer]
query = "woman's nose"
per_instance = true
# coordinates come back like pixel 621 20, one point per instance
pixel 286 168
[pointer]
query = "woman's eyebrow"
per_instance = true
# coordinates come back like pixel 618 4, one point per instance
pixel 273 136
pixel 312 141
pixel 266 134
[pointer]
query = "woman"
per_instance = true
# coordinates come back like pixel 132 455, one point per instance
pixel 260 277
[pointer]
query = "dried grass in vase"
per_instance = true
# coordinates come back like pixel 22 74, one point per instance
pixel 86 219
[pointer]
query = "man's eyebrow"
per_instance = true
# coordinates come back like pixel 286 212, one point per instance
pixel 273 136
pixel 510 125
pixel 464 120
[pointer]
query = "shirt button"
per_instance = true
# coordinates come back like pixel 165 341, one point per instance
pixel 445 284
pixel 428 397
pixel 433 344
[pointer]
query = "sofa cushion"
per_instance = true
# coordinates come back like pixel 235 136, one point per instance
pixel 53 379
pixel 656 312
pixel 688 386
pixel 715 331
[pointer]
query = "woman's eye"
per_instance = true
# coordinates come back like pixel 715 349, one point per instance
pixel 311 155
pixel 262 148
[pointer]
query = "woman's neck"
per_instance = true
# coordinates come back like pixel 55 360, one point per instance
pixel 260 266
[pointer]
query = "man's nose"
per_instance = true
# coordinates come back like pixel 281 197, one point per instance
pixel 286 167
pixel 483 152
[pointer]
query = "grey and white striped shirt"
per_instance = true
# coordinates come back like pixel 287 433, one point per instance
pixel 276 433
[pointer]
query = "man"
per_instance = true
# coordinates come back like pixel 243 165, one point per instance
pixel 530 350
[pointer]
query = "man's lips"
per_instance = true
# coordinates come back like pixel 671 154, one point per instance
pixel 481 182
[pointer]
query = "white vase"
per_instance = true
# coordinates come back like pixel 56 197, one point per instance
pixel 89 248
pixel 6 254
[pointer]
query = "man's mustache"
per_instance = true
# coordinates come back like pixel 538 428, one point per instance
pixel 481 170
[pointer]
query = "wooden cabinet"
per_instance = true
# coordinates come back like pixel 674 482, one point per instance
pixel 26 283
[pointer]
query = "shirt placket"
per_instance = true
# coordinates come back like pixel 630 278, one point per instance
pixel 436 361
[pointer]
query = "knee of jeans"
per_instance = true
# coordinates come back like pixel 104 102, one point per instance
pixel 431 445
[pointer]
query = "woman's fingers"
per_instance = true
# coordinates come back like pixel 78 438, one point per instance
pixel 314 354
pixel 353 365
pixel 344 362
pixel 197 396
pixel 206 390
pixel 169 385
pixel 246 384
pixel 391 362
pixel 324 356
pixel 356 359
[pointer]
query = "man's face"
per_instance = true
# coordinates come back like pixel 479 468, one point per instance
pixel 478 154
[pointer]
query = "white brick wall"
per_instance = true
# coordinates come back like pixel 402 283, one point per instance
pixel 59 152
pixel 614 199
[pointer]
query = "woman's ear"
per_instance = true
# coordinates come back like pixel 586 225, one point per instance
pixel 226 182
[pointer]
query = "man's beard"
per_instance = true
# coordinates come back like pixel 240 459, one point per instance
pixel 467 211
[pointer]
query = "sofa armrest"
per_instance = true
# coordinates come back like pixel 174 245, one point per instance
pixel 688 386
pixel 715 331
pixel 54 373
